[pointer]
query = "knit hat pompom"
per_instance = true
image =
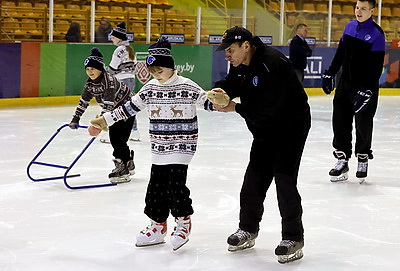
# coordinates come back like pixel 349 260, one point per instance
pixel 95 60
pixel 120 31
pixel 160 54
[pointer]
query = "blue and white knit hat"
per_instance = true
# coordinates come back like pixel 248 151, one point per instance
pixel 120 31
pixel 95 60
pixel 160 54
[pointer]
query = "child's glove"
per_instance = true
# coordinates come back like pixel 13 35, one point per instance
pixel 218 96
pixel 74 123
pixel 328 82
pixel 361 100
pixel 100 123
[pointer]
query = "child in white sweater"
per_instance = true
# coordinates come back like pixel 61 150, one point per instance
pixel 171 102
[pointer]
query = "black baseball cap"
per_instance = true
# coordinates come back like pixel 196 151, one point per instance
pixel 234 34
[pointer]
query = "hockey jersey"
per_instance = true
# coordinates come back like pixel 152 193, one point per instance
pixel 121 65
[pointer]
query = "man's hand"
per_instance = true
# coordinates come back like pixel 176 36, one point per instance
pixel 231 107
pixel 218 97
pixel 74 123
pixel 361 100
pixel 100 123
pixel 328 82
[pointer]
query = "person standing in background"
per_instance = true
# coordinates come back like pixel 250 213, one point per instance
pixel 102 32
pixel 123 65
pixel 74 33
pixel 360 55
pixel 299 51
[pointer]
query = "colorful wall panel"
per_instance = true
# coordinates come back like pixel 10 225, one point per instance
pixel 57 69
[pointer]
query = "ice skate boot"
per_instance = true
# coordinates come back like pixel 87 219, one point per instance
pixel 362 167
pixel 131 164
pixel 241 240
pixel 105 138
pixel 181 233
pixel 120 174
pixel 341 168
pixel 154 234
pixel 289 251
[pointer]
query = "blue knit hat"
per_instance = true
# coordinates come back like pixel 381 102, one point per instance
pixel 160 54
pixel 120 31
pixel 95 60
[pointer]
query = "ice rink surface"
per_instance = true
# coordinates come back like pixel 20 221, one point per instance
pixel 46 226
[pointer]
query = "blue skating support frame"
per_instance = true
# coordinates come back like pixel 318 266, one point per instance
pixel 68 168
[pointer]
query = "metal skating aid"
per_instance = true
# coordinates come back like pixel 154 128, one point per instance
pixel 67 168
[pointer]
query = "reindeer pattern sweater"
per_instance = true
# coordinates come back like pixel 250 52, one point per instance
pixel 171 107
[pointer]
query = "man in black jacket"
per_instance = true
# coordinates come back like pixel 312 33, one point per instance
pixel 275 108
pixel 360 55
pixel 299 51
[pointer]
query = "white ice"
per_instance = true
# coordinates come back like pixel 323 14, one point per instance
pixel 46 226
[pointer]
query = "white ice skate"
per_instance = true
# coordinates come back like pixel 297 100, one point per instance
pixel 154 234
pixel 181 233
pixel 241 240
pixel 289 251
pixel 340 171
pixel 362 168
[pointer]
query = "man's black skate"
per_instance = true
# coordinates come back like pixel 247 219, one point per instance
pixel 340 171
pixel 289 251
pixel 120 174
pixel 131 164
pixel 241 240
pixel 362 168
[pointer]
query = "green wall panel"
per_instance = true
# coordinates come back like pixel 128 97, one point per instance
pixel 52 69
pixel 192 61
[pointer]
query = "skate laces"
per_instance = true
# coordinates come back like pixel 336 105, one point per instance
pixel 362 166
pixel 119 165
pixel 287 243
pixel 242 235
pixel 340 164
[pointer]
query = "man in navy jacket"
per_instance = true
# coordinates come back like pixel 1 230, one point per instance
pixel 299 51
pixel 360 55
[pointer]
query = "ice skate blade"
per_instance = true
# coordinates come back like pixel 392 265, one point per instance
pixel 134 139
pixel 246 245
pixel 138 244
pixel 105 141
pixel 181 245
pixel 361 180
pixel 340 178
pixel 120 180
pixel 291 257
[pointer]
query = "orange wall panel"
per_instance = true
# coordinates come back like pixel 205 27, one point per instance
pixel 30 68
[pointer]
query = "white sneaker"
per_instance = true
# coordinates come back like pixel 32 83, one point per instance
pixel 181 233
pixel 154 234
